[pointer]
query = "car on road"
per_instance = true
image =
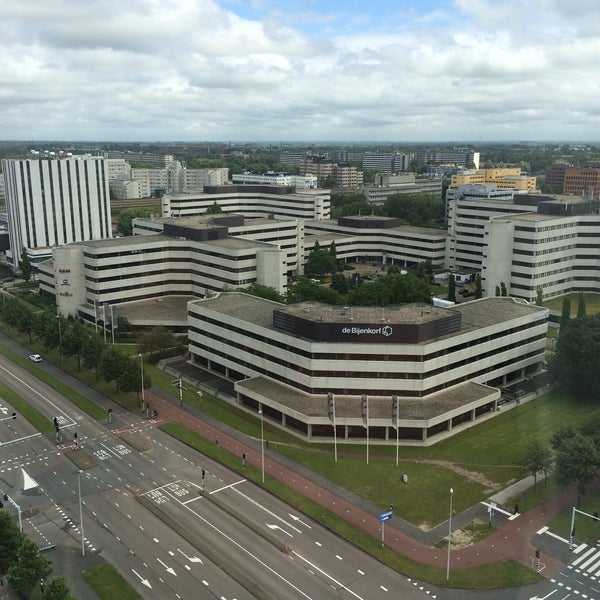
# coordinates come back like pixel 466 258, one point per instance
pixel 8 279
pixel 35 358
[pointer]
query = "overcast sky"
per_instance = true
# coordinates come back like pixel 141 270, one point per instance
pixel 305 70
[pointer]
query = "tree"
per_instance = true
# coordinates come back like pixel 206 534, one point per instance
pixel 577 459
pixel 29 568
pixel 58 589
pixel 330 182
pixel 451 288
pixel 503 291
pixel 10 541
pixel 73 339
pixel 581 305
pixel 125 218
pixel 539 297
pixel 497 290
pixel 130 379
pixel 263 291
pixel 26 321
pixel 320 262
pixel 478 290
pixel 25 265
pixel 577 353
pixel 112 364
pixel 565 316
pixel 214 209
pixel 92 348
pixel 536 458
pixel 392 289
pixel 339 283
pixel 419 210
pixel 157 340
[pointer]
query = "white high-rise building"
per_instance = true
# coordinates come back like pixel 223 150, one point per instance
pixel 54 201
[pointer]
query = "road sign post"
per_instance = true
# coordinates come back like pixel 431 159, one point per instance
pixel 386 516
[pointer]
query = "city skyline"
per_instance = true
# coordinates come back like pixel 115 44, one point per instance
pixel 419 71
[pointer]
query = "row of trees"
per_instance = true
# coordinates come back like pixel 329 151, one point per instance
pixel 20 558
pixel 74 339
pixel 572 453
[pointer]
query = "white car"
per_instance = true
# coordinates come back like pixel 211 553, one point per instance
pixel 35 358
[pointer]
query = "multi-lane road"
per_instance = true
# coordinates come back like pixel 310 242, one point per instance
pixel 142 510
pixel 146 509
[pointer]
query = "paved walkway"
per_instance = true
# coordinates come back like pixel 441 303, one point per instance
pixel 512 540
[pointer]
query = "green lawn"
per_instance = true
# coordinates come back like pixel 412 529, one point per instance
pixel 587 529
pixel 109 584
pixel 592 303
pixel 491 576
pixel 473 462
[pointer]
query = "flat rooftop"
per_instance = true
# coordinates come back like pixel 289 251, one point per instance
pixel 379 408
pixel 475 313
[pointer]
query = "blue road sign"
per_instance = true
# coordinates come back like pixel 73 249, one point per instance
pixel 386 516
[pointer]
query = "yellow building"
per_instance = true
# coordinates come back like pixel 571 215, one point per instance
pixel 504 179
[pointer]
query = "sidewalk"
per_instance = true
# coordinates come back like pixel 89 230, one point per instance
pixel 511 541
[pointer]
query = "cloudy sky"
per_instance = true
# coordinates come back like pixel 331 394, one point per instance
pixel 305 70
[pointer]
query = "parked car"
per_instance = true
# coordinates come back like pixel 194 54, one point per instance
pixel 8 279
pixel 35 358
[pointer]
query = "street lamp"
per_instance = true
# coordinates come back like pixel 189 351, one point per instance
pixel 80 512
pixel 262 443
pixel 449 534
pixel 142 375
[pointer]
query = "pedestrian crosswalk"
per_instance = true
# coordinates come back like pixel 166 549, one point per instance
pixel 588 563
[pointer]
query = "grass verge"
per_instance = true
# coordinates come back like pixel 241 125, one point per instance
pixel 77 399
pixel 109 584
pixel 35 417
pixel 495 575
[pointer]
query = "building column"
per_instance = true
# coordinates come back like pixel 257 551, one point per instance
pixel 424 434
pixel 473 415
pixel 283 419
pixel 449 424
pixel 345 432
pixel 309 431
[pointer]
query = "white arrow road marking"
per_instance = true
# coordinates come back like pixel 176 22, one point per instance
pixel 277 527
pixel 169 569
pixel 270 513
pixel 299 520
pixel 144 581
pixel 193 559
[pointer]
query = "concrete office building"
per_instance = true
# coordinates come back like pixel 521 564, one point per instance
pixel 377 239
pixel 55 201
pixel 400 183
pixel 553 248
pixel 252 201
pixel 477 191
pixel 303 182
pixel 583 181
pixel 504 179
pixel 192 257
pixel 441 365
pixel 197 179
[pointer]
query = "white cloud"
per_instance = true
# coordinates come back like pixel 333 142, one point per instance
pixel 193 70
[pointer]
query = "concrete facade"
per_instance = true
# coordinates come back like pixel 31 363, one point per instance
pixel 440 365
pixel 55 201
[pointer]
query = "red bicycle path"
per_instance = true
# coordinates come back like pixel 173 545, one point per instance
pixel 512 541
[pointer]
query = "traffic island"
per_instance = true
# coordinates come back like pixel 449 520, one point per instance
pixel 136 441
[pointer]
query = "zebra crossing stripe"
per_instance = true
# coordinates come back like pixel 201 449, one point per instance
pixel 583 556
pixel 590 560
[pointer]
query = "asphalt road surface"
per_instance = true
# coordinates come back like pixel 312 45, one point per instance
pixel 154 555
